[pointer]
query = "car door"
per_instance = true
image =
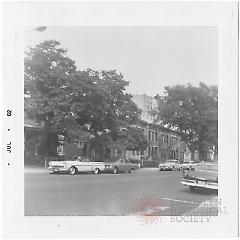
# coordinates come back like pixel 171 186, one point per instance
pixel 121 165
pixel 178 165
pixel 127 165
pixel 84 165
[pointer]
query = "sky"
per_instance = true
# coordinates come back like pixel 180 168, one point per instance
pixel 150 58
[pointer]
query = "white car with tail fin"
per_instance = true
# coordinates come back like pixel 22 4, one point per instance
pixel 74 165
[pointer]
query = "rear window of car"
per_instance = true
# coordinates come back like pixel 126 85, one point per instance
pixel 207 167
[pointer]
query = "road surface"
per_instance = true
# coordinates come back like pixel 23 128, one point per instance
pixel 147 191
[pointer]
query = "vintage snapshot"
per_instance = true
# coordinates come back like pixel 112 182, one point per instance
pixel 122 121
pixel 152 139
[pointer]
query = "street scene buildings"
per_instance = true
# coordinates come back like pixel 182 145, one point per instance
pixel 138 130
pixel 162 143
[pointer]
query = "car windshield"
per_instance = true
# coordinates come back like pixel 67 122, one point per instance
pixel 207 167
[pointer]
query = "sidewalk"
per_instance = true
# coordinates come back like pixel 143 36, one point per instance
pixel 35 169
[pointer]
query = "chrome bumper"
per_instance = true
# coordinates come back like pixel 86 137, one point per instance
pixel 202 184
pixel 58 169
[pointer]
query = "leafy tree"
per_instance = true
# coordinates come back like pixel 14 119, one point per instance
pixel 69 101
pixel 193 112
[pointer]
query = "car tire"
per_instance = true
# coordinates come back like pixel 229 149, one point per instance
pixel 96 171
pixel 73 170
pixel 131 170
pixel 115 170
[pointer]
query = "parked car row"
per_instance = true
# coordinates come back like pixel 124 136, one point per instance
pixel 73 165
pixel 78 164
pixel 205 175
pixel 173 165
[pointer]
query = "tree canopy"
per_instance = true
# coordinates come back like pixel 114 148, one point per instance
pixel 68 100
pixel 193 112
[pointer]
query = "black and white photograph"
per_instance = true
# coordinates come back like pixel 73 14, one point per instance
pixel 126 120
pixel 131 111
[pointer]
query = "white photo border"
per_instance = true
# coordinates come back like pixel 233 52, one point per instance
pixel 17 15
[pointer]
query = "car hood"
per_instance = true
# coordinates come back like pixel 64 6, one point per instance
pixel 201 174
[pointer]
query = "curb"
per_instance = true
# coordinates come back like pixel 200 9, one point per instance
pixel 35 170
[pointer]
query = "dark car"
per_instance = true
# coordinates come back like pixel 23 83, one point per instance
pixel 122 165
pixel 204 176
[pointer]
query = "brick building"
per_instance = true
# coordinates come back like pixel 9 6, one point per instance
pixel 162 144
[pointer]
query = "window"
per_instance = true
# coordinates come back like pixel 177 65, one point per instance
pixel 149 135
pixel 80 144
pixel 149 151
pixel 156 136
pixel 60 149
pixel 152 136
pixel 156 151
pixel 177 154
pixel 162 137
pixel 115 152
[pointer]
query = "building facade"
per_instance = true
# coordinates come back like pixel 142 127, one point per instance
pixel 147 104
pixel 162 144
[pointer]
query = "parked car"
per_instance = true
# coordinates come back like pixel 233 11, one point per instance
pixel 204 176
pixel 189 165
pixel 77 164
pixel 122 165
pixel 170 164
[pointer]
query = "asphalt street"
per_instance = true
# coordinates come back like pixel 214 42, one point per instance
pixel 147 191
